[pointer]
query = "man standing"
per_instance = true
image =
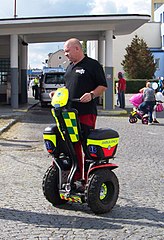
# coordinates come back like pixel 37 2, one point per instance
pixel 121 90
pixel 148 103
pixel 36 87
pixel 85 79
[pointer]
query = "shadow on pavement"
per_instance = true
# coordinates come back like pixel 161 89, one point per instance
pixel 140 216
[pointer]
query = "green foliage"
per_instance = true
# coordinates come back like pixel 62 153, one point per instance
pixel 139 61
pixel 134 85
pixel 84 46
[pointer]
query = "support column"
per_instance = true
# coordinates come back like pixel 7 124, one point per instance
pixel 108 103
pixel 101 51
pixel 101 59
pixel 14 70
pixel 23 74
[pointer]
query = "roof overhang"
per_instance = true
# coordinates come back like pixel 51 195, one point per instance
pixel 58 29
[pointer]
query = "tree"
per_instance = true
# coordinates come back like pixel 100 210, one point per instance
pixel 139 61
pixel 84 46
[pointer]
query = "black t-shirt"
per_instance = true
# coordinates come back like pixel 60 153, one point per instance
pixel 82 78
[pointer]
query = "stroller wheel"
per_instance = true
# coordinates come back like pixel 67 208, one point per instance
pixel 145 120
pixel 133 120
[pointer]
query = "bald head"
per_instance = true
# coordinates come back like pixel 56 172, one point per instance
pixel 73 50
pixel 73 42
pixel 148 84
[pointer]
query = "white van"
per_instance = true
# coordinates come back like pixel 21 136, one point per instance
pixel 52 79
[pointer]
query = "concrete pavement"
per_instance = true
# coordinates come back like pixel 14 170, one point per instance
pixel 25 214
pixel 9 116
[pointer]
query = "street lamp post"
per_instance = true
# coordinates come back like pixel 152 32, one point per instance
pixel 15 8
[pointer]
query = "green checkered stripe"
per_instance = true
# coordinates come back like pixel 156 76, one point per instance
pixel 71 123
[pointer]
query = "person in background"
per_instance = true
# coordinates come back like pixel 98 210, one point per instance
pixel 147 106
pixel 36 87
pixel 85 80
pixel 121 90
pixel 154 113
pixel 32 85
pixel 117 100
pixel 161 85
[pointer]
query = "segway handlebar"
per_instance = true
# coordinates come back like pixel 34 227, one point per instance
pixel 75 100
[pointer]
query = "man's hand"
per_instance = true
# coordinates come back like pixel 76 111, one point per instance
pixel 51 94
pixel 87 97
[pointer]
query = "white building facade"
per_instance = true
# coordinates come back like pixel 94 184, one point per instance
pixel 152 33
pixel 57 59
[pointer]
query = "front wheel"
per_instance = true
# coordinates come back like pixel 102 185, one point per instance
pixel 50 186
pixel 103 191
pixel 133 120
pixel 133 117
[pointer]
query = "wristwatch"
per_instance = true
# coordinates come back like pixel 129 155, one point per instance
pixel 92 95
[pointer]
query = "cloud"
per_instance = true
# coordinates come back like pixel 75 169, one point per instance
pixel 38 53
pixel 120 7
pixel 6 9
pixel 39 8
pixel 67 8
pixel 103 7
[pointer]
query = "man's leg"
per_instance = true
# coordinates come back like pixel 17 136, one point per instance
pixel 119 99
pixel 87 122
pixel 143 108
pixel 151 107
pixel 33 91
pixel 123 100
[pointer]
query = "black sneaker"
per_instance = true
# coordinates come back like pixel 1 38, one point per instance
pixel 155 121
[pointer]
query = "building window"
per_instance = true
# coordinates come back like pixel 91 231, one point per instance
pixel 161 17
pixel 4 71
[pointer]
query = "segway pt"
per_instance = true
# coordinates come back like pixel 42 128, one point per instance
pixel 100 189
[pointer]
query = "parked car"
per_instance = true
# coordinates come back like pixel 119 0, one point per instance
pixel 51 80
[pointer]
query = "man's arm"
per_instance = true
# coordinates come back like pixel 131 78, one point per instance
pixel 87 97
pixel 99 91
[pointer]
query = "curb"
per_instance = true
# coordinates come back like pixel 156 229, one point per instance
pixel 7 126
pixel 110 113
pixel 32 106
pixel 14 115
pixel 114 113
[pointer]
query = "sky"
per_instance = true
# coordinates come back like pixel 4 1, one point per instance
pixel 45 8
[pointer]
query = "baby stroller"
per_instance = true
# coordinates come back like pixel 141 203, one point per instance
pixel 135 114
pixel 136 100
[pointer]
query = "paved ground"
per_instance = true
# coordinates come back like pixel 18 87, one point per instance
pixel 26 214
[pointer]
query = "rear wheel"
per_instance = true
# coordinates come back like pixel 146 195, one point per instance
pixel 103 191
pixel 145 120
pixel 50 186
pixel 133 119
